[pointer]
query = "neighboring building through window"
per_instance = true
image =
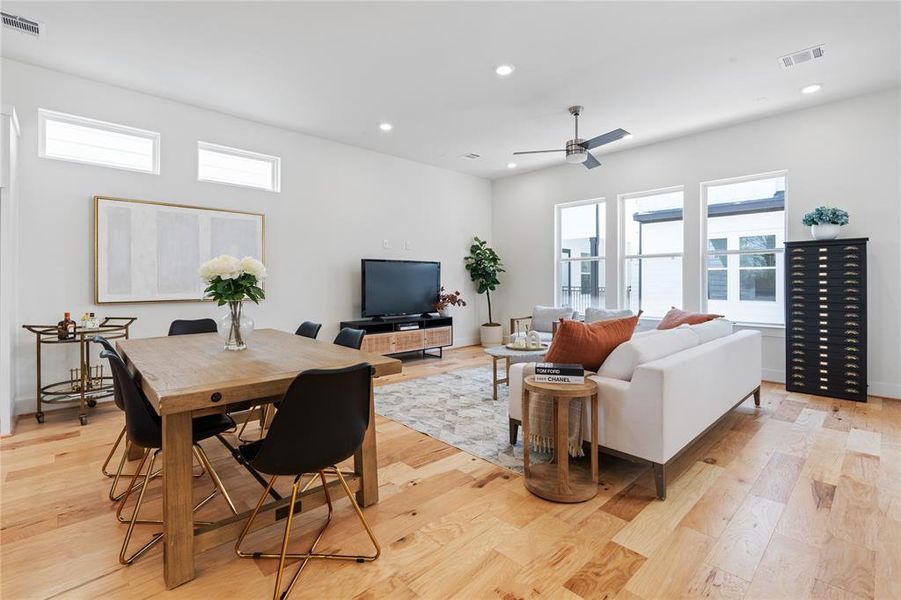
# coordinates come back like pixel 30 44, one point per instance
pixel 652 251
pixel 72 138
pixel 580 269
pixel 744 252
pixel 232 166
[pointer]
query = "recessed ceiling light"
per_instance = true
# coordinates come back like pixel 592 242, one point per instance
pixel 511 165
pixel 504 70
pixel 386 126
pixel 628 136
pixel 811 89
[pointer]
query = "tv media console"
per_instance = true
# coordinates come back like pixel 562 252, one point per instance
pixel 405 334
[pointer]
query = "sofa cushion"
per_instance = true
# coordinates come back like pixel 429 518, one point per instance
pixel 543 317
pixel 593 315
pixel 622 362
pixel 712 330
pixel 588 344
pixel 676 317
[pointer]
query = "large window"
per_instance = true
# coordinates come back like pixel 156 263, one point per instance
pixel 580 269
pixel 221 164
pixel 79 139
pixel 744 257
pixel 652 251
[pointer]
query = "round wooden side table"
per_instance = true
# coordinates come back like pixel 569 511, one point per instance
pixel 556 481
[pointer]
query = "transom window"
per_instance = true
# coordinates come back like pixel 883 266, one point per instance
pixel 581 234
pixel 72 138
pixel 232 166
pixel 744 254
pixel 652 250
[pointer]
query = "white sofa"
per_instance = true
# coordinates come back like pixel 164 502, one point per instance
pixel 654 412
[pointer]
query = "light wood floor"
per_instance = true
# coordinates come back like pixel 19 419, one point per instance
pixel 800 498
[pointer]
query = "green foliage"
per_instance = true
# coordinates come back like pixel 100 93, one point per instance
pixel 483 265
pixel 224 291
pixel 825 215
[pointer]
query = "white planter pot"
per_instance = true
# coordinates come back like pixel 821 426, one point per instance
pixel 824 232
pixel 492 335
pixel 444 312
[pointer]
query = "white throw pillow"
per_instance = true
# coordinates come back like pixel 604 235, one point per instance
pixel 626 357
pixel 593 315
pixel 713 330
pixel 543 317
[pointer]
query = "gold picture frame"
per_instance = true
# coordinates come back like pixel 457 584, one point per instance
pixel 102 295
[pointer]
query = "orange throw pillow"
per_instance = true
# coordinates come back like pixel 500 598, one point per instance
pixel 676 317
pixel 589 345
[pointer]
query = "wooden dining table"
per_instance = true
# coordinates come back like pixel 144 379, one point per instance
pixel 191 375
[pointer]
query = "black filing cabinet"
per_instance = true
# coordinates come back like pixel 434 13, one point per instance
pixel 826 318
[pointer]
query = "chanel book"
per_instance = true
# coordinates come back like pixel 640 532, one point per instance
pixel 559 373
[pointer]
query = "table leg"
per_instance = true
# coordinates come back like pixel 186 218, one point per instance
pixel 525 431
pixel 507 374
pixel 82 415
pixel 594 438
pixel 366 461
pixel 561 449
pixel 494 378
pixel 178 518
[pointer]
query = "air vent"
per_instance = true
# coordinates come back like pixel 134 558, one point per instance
pixel 471 156
pixel 802 56
pixel 21 24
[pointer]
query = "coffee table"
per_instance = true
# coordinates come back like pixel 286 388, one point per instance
pixel 510 356
pixel 556 481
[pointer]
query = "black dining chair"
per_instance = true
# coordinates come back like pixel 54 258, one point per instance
pixel 322 420
pixel 352 338
pixel 144 427
pixel 117 399
pixel 191 326
pixel 309 329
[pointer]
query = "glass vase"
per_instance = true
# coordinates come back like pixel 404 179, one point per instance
pixel 235 326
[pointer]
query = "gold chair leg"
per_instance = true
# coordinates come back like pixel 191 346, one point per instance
pixel 205 461
pixel 253 515
pixel 281 559
pixel 109 456
pixel 246 421
pixel 134 517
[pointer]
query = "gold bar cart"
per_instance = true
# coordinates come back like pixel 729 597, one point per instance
pixel 86 384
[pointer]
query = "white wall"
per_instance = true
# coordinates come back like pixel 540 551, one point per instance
pixel 336 206
pixel 844 154
pixel 9 206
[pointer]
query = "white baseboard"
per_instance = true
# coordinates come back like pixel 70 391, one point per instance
pixel 774 375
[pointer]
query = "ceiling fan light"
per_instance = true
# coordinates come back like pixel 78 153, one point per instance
pixel 577 157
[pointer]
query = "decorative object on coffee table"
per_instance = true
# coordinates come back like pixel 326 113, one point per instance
pixel 825 222
pixel 559 481
pixel 231 281
pixel 483 265
pixel 509 356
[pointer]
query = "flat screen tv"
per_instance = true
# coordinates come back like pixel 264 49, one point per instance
pixel 399 287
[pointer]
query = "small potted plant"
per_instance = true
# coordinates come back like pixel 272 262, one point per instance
pixel 446 300
pixel 824 222
pixel 231 281
pixel 483 265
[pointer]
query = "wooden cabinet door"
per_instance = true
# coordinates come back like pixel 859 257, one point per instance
pixel 406 341
pixel 378 343
pixel 437 337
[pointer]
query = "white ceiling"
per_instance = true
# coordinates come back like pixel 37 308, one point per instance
pixel 336 70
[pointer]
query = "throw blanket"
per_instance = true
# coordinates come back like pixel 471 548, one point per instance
pixel 541 424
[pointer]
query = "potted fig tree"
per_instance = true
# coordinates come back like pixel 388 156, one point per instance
pixel 483 265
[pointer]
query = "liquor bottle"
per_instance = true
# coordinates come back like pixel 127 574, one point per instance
pixel 65 329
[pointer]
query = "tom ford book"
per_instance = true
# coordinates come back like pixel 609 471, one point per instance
pixel 559 373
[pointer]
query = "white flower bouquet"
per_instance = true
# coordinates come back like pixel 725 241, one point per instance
pixel 231 281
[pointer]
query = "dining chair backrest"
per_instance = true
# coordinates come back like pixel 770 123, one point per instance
pixel 320 422
pixel 190 326
pixel 144 426
pixel 308 329
pixel 352 338
pixel 108 347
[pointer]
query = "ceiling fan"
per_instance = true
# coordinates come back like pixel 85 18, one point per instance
pixel 577 149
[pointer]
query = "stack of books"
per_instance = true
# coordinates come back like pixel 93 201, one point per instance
pixel 559 373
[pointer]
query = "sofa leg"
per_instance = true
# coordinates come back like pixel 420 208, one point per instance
pixel 660 480
pixel 757 396
pixel 514 431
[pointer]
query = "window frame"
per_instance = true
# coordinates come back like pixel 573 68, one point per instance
pixel 44 114
pixel 621 200
pixel 724 269
pixel 705 253
pixel 601 259
pixel 275 161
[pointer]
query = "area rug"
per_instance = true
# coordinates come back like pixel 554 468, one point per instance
pixel 456 408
